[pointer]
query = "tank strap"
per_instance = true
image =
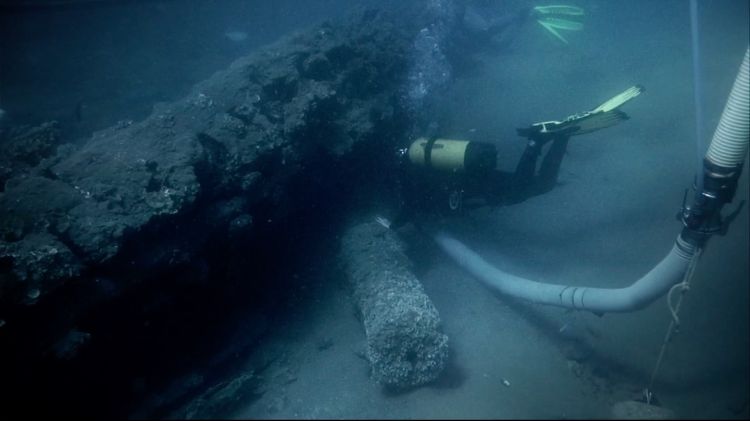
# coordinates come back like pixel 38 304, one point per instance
pixel 428 151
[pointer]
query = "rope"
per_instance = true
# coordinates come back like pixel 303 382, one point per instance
pixel 674 324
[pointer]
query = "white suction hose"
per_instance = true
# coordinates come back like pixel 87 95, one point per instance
pixel 655 283
pixel 729 144
pixel 725 157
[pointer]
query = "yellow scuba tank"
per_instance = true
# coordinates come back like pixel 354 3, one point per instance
pixel 451 155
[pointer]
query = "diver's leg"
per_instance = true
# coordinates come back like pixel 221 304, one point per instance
pixel 524 182
pixel 550 167
pixel 526 166
pixel 523 178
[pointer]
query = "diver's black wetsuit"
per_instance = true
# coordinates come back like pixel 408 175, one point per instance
pixel 425 191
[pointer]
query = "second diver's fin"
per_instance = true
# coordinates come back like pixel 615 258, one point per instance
pixel 559 9
pixel 562 17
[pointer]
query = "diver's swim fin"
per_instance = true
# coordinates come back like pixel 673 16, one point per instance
pixel 591 122
pixel 559 9
pixel 619 99
pixel 603 116
pixel 562 17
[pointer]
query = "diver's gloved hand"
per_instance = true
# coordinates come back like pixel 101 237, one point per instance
pixel 605 115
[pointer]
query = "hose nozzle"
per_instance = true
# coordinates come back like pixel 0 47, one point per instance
pixel 703 218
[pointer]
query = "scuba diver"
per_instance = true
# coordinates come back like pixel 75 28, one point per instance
pixel 446 176
pixel 493 26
